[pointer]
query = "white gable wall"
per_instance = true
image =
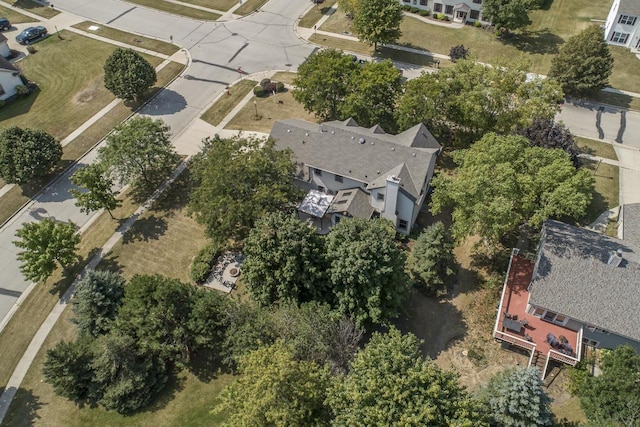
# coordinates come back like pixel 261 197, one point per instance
pixel 621 29
pixel 9 81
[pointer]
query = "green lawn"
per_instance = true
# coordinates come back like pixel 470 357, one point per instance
pixel 34 7
pixel 177 9
pixel 314 15
pixel 222 5
pixel 596 148
pixel 14 16
pixel 284 77
pixel 248 6
pixel 226 103
pixel 132 39
pixel 606 191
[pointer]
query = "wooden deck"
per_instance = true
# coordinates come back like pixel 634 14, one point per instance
pixel 514 301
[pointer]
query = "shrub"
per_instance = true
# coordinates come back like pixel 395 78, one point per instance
pixel 425 12
pixel 406 7
pixel 441 16
pixel 264 82
pixel 477 24
pixel 22 90
pixel 279 87
pixel 269 87
pixel 445 18
pixel 31 49
pixel 258 91
pixel 2 102
pixel 201 264
pixel 415 10
pixel 458 52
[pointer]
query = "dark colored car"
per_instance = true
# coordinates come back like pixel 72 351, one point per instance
pixel 30 34
pixel 4 24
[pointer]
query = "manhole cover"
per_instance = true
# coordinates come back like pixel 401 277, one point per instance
pixel 234 34
pixel 287 65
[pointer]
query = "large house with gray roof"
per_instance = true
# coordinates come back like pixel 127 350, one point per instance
pixel 622 27
pixel 582 289
pixel 351 171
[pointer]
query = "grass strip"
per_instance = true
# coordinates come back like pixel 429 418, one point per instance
pixel 14 16
pixel 596 148
pixel 249 6
pixel 131 39
pixel 34 7
pixel 222 5
pixel 315 14
pixel 226 103
pixel 178 9
pixel 606 189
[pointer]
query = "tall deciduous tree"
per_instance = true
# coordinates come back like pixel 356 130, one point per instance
pixel 546 133
pixel 127 74
pixel 46 243
pixel 431 263
pixel 285 261
pixel 366 270
pixel 275 389
pixel 238 181
pixel 472 99
pixel 390 384
pixel 26 154
pixel 613 398
pixel 349 6
pixel 584 63
pixel 99 192
pixel 96 301
pixel 508 15
pixel 373 93
pixel 502 183
pixel 68 369
pixel 323 81
pixel 516 398
pixel 139 152
pixel 378 21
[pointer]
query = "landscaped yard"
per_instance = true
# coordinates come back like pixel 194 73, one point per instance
pixel 226 103
pixel 14 16
pixel 606 189
pixel 596 148
pixel 222 5
pixel 177 9
pixel 132 39
pixel 314 15
pixel 34 7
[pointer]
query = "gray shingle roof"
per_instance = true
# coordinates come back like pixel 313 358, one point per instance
pixel 362 154
pixel 6 65
pixel 629 7
pixel 631 224
pixel 353 201
pixel 573 277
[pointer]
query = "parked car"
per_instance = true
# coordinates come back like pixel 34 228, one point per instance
pixel 30 34
pixel 5 24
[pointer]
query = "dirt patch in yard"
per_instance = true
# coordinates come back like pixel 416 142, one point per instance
pixel 87 94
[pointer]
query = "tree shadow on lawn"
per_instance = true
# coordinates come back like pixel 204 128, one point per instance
pixel 24 409
pixel 541 42
pixel 175 384
pixel 207 366
pixel 145 229
pixel 18 107
pixel 110 263
pixel 177 196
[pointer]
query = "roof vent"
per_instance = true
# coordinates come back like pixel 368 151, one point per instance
pixel 393 148
pixel 361 141
pixel 378 172
pixel 414 154
pixel 288 130
pixel 306 134
pixel 615 258
pixel 373 143
pixel 333 131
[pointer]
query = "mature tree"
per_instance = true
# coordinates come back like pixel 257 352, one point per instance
pixel 46 243
pixel 239 181
pixel 378 21
pixel 275 389
pixel 127 376
pixel 323 81
pixel 503 183
pixel 458 52
pixel 96 301
pixel 99 192
pixel 208 320
pixel 366 270
pixel 613 398
pixel 285 261
pixel 68 369
pixel 373 93
pixel 516 398
pixel 26 154
pixel 584 63
pixel 508 15
pixel 431 263
pixel 546 133
pixel 249 327
pixel 390 384
pixel 127 74
pixel 156 312
pixel 472 99
pixel 349 7
pixel 139 152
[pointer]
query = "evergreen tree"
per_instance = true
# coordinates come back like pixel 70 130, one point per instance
pixel 96 301
pixel 431 262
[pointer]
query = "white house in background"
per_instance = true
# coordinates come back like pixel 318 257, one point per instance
pixel 622 26
pixel 5 52
pixel 351 171
pixel 456 10
pixel 9 79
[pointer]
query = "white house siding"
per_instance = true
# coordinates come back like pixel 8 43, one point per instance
pixel 448 7
pixel 328 181
pixel 9 82
pixel 375 203
pixel 405 208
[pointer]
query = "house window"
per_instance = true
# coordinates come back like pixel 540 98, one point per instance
pixel 402 224
pixel 538 312
pixel 424 2
pixel 590 343
pixel 320 188
pixel 475 14
pixel 552 317
pixel 407 1
pixel 627 20
pixel 477 1
pixel 598 330
pixel 619 37
pixel 338 178
pixel 317 172
pixel 437 7
pixel 380 197
pixel 448 9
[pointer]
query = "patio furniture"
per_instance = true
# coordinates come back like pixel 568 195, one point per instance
pixel 552 340
pixel 512 325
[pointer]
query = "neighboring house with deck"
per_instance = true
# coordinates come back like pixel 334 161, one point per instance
pixel 457 10
pixel 582 288
pixel 622 27
pixel 9 79
pixel 351 171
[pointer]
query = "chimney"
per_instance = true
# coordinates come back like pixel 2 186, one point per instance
pixel 615 258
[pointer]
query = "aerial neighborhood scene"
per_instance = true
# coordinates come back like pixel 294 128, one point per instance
pixel 319 213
